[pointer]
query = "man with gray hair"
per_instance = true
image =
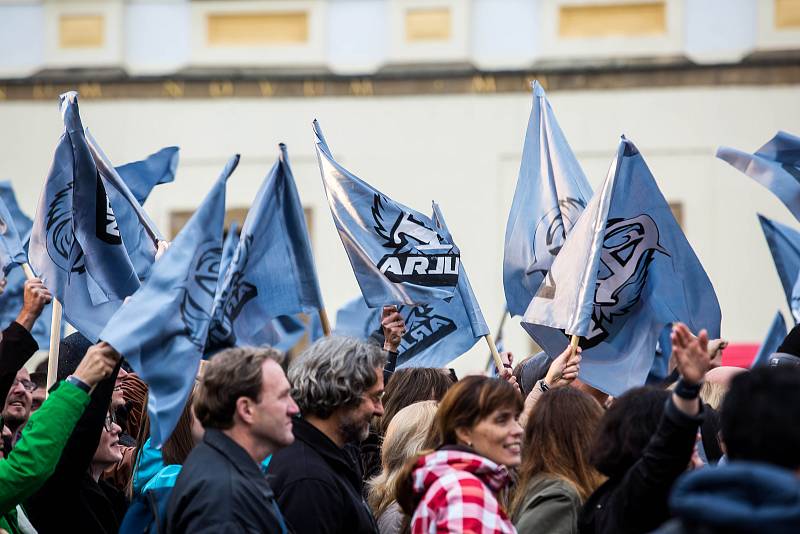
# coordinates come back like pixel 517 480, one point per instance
pixel 338 385
pixel 243 401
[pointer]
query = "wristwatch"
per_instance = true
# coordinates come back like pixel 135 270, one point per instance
pixel 78 383
pixel 687 391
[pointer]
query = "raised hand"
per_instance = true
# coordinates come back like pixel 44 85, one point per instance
pixel 35 297
pixel 394 327
pixel 564 369
pixel 691 353
pixel 97 364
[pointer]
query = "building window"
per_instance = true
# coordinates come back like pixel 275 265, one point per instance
pixel 81 31
pixel 428 24
pixel 612 19
pixel 260 29
pixel 787 14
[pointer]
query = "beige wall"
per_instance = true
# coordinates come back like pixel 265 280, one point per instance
pixel 463 151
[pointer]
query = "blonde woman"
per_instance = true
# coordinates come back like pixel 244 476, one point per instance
pixel 405 437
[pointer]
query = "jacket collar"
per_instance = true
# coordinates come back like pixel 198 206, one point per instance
pixel 235 454
pixel 339 459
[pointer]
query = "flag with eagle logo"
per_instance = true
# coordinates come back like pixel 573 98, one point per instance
pixel 625 271
pixel 162 330
pixel 76 247
pixel 397 255
pixel 271 272
pixel 550 196
pixel 776 166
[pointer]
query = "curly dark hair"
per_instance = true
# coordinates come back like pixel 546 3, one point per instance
pixel 626 429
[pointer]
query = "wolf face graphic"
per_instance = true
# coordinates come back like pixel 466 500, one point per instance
pixel 199 288
pixel 60 235
pixel 629 247
pixel 236 294
pixel 549 236
pixel 419 254
pixel 424 329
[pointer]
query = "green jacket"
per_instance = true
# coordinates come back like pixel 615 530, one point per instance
pixel 38 450
pixel 551 505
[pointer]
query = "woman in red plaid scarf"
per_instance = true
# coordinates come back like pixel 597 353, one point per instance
pixel 457 487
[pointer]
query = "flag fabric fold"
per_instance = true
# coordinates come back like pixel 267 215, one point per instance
pixel 775 336
pixel 11 252
pixel 550 195
pixel 784 245
pixel 156 169
pixel 162 330
pixel 396 253
pixel 624 272
pixel 75 245
pixel 776 166
pixel 272 270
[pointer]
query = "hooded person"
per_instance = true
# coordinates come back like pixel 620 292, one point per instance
pixel 74 490
pixel 759 489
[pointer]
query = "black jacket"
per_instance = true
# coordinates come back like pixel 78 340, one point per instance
pixel 220 490
pixel 318 485
pixel 90 507
pixel 637 501
pixel 16 347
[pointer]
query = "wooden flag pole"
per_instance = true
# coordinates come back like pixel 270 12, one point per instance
pixel 28 271
pixel 493 349
pixel 323 319
pixel 55 339
pixel 573 345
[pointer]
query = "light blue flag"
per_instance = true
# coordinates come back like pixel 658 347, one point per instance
pixel 436 333
pixel 625 271
pixel 75 246
pixel 775 336
pixel 162 330
pixel 142 176
pixel 11 251
pixel 775 165
pixel 794 303
pixel 272 271
pixel 550 196
pixel 21 221
pixel 396 253
pixel 784 245
pixel 11 299
pixel 290 331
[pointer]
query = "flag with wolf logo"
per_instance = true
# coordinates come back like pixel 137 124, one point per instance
pixel 75 245
pixel 776 166
pixel 625 271
pixel 272 271
pixel 162 329
pixel 784 245
pixel 550 196
pixel 396 253
pixel 11 252
pixel 775 336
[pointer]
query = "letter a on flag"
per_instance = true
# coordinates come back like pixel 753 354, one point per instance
pixel 162 330
pixel 550 196
pixel 397 255
pixel 625 271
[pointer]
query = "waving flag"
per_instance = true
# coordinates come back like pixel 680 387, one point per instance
pixel 228 248
pixel 22 222
pixel 142 176
pixel 624 272
pixel 784 245
pixel 396 253
pixel 75 246
pixel 162 329
pixel 11 252
pixel 272 270
pixel 775 165
pixel 775 336
pixel 550 196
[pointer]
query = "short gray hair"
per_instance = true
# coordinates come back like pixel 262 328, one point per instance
pixel 334 372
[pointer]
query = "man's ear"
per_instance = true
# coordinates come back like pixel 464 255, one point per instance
pixel 244 410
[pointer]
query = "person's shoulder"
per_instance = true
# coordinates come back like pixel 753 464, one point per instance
pixel 298 461
pixel 552 488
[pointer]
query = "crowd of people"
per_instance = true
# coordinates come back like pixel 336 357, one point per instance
pixel 338 441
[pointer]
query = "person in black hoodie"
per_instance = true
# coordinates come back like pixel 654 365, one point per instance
pixel 338 385
pixel 645 442
pixel 73 499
